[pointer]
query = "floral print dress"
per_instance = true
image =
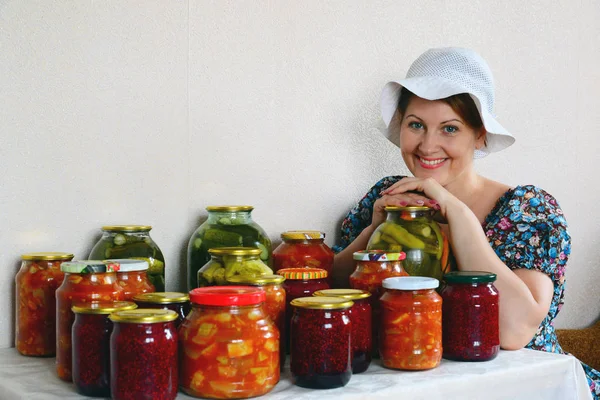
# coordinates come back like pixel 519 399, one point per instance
pixel 526 229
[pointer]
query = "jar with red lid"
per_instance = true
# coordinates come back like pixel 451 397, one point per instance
pixel 301 249
pixel 35 299
pixel 85 282
pixel 411 323
pixel 91 346
pixel 274 303
pixel 321 330
pixel 133 277
pixel 360 315
pixel 143 355
pixel 175 301
pixel 229 347
pixel 470 310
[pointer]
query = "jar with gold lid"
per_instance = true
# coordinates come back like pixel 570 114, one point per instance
pixel 175 301
pixel 301 249
pixel 228 262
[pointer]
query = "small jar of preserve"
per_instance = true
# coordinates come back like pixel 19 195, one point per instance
pixel 411 319
pixel 227 262
pixel 360 315
pixel 143 355
pixel 321 353
pixel 133 277
pixel 301 249
pixel 470 316
pixel 91 346
pixel 175 301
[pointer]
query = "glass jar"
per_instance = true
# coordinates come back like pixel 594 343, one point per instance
pixel 85 281
pixel 35 300
pixel 413 231
pixel 229 347
pixel 274 303
pixel 91 346
pixel 132 241
pixel 143 355
pixel 301 249
pixel 470 313
pixel 321 332
pixel 133 277
pixel 411 319
pixel 361 316
pixel 226 226
pixel 175 301
pixel 227 262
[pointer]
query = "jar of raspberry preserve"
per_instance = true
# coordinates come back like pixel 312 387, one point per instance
pixel 360 315
pixel 303 249
pixel 133 277
pixel 470 316
pixel 175 301
pixel 143 355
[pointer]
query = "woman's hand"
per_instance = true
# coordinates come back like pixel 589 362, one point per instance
pixel 399 199
pixel 435 195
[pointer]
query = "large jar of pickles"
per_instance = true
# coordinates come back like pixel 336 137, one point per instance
pixel 411 323
pixel 226 226
pixel 143 355
pixel 175 301
pixel 229 347
pixel 132 241
pixel 85 281
pixel 133 277
pixel 301 249
pixel 227 262
pixel 35 299
pixel 413 231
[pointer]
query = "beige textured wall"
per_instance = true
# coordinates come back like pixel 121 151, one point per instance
pixel 146 112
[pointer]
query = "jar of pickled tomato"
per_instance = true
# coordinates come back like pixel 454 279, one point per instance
pixel 470 311
pixel 85 281
pixel 133 277
pixel 91 346
pixel 143 355
pixel 301 249
pixel 321 353
pixel 411 323
pixel 229 346
pixel 35 299
pixel 360 315
pixel 175 301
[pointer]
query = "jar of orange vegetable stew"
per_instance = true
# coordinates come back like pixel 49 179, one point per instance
pixel 35 299
pixel 133 277
pixel 302 249
pixel 175 301
pixel 229 347
pixel 85 281
pixel 411 319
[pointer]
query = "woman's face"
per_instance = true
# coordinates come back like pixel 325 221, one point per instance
pixel 436 142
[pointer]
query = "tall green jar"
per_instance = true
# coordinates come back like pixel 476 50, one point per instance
pixel 226 226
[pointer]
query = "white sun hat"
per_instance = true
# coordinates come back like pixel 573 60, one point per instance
pixel 443 72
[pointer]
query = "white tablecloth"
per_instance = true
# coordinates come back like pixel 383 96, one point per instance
pixel 523 374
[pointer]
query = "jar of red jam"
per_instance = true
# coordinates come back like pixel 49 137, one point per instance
pixel 175 301
pixel 85 281
pixel 35 295
pixel 411 319
pixel 229 346
pixel 143 355
pixel 274 303
pixel 91 346
pixel 133 277
pixel 301 249
pixel 360 315
pixel 321 354
pixel 470 316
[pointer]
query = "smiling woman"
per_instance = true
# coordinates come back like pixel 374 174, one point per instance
pixel 441 116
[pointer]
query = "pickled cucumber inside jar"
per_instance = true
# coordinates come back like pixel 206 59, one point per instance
pixel 227 262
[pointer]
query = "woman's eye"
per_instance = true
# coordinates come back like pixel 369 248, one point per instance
pixel 450 129
pixel 415 125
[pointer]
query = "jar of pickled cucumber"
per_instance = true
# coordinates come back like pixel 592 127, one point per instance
pixel 227 262
pixel 413 231
pixel 226 226
pixel 132 241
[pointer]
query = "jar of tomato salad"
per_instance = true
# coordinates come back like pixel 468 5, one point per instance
pixel 85 281
pixel 133 277
pixel 175 301
pixel 143 355
pixel 301 249
pixel 321 330
pixel 230 348
pixel 91 346
pixel 35 299
pixel 411 319
pixel 470 313
pixel 274 303
pixel 227 262
pixel 360 315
